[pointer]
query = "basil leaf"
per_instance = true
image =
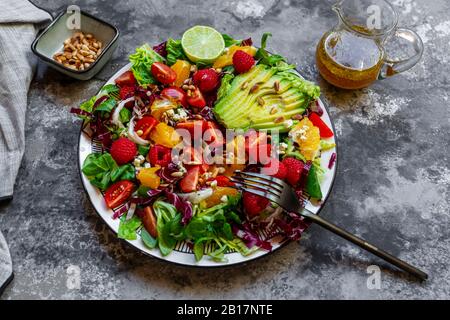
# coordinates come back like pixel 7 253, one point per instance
pixel 143 150
pixel 96 163
pixel 127 228
pixel 148 240
pixel 102 170
pixel 125 172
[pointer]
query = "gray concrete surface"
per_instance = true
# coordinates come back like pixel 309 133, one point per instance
pixel 392 186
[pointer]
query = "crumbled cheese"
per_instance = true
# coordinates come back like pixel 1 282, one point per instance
pixel 288 123
pixel 206 175
pixel 214 184
pixel 299 134
pixel 224 199
pixel 147 165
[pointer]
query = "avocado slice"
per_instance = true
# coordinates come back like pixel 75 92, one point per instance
pixel 257 98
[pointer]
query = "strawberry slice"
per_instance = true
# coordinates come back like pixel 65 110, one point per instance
pixel 275 168
pixel 190 180
pixel 254 204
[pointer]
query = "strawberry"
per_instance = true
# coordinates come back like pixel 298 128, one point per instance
pixel 159 156
pixel 206 79
pixel 123 150
pixel 242 61
pixel 295 168
pixel 254 204
pixel 275 168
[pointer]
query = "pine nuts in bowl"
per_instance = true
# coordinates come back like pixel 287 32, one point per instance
pixel 80 53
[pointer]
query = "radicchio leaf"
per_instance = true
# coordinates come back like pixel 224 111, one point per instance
pixel 247 42
pixel 184 207
pixel 161 49
pixel 250 238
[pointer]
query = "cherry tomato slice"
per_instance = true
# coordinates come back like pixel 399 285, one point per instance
pixel 118 193
pixel 163 73
pixel 177 94
pixel 325 131
pixel 126 79
pixel 145 124
pixel 196 99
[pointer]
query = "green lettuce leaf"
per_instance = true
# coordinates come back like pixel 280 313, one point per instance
pixel 148 240
pixel 174 51
pixel 225 85
pixel 128 228
pixel 141 62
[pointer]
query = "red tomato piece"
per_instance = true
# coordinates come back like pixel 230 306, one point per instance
pixel 177 94
pixel 118 193
pixel 126 79
pixel 163 73
pixel 145 124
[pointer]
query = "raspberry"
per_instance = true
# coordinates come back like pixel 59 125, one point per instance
pixel 295 170
pixel 159 156
pixel 206 79
pixel 242 61
pixel 123 150
pixel 254 204
pixel 275 168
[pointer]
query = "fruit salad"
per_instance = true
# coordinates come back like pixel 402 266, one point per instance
pixel 174 128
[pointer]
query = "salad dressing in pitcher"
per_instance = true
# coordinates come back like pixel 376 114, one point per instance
pixel 349 61
pixel 352 55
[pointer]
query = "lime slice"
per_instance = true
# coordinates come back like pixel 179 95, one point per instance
pixel 202 44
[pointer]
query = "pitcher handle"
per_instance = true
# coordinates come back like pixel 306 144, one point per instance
pixel 392 67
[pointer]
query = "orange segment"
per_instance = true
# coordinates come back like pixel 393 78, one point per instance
pixel 183 70
pixel 308 138
pixel 149 178
pixel 227 58
pixel 219 192
pixel 165 135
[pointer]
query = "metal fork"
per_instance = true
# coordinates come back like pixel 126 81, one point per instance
pixel 278 191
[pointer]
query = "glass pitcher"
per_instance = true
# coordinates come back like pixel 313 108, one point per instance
pixel 366 45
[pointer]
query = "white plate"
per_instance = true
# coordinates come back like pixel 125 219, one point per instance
pixel 182 253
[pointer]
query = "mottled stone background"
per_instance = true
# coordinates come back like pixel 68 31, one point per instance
pixel 392 185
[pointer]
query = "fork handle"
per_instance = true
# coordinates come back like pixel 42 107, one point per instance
pixel 364 244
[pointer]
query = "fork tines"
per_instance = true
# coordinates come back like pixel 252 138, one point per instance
pixel 259 184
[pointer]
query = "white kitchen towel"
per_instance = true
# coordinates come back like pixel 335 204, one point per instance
pixel 19 23
pixel 6 272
